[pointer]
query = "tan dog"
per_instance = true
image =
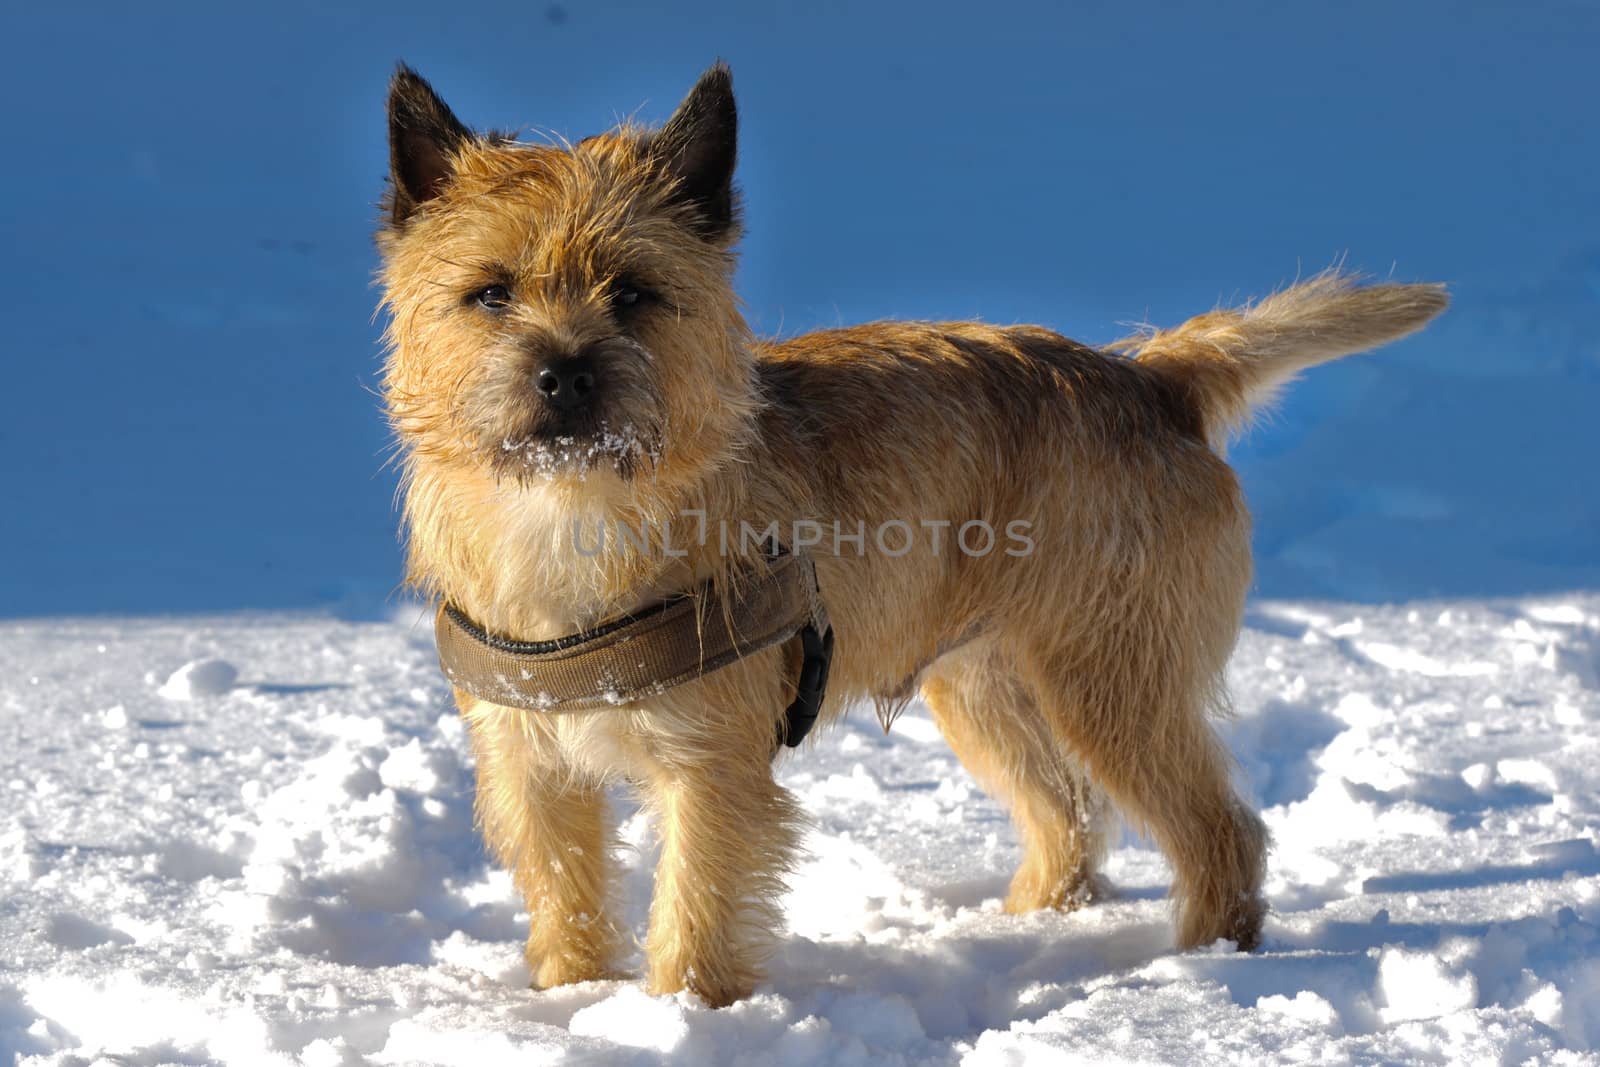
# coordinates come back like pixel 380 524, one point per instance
pixel 567 353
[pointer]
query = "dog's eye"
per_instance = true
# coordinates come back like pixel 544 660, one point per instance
pixel 493 297
pixel 628 295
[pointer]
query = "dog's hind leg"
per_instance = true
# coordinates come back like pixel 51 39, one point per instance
pixel 1134 709
pixel 991 721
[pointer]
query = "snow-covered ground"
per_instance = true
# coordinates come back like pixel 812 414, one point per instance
pixel 271 859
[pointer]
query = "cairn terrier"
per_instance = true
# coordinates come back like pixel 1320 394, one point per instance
pixel 566 353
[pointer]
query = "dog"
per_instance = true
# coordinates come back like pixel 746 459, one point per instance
pixel 566 353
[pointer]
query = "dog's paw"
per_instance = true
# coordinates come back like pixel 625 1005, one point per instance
pixel 718 990
pixel 555 971
pixel 1239 922
pixel 1032 892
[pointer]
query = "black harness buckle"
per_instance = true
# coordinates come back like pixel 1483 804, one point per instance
pixel 817 652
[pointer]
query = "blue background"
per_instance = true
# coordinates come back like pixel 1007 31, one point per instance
pixel 189 192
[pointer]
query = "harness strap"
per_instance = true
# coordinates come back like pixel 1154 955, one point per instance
pixel 634 657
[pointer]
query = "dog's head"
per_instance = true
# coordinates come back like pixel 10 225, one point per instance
pixel 565 312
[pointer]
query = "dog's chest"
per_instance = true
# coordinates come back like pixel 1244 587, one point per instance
pixel 599 745
pixel 537 570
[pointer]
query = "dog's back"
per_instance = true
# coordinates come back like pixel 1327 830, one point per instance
pixel 1208 375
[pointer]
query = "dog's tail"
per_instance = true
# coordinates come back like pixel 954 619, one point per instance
pixel 1232 362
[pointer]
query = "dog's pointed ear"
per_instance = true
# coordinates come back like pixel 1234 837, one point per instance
pixel 697 148
pixel 424 137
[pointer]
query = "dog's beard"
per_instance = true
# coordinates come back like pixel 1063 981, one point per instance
pixel 550 455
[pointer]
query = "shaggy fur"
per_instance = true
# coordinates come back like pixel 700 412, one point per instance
pixel 1078 673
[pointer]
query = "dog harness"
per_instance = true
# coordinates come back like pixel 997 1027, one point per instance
pixel 634 657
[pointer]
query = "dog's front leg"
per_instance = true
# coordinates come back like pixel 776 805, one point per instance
pixel 728 832
pixel 548 824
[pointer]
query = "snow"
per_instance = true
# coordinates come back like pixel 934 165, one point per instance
pixel 284 869
pixel 205 677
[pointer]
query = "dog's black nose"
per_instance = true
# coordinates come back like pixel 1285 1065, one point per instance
pixel 566 383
